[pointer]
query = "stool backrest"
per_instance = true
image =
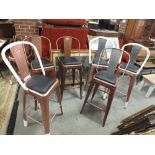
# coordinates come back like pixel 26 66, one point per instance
pixel 114 60
pixel 18 52
pixel 135 49
pixel 65 45
pixel 43 45
pixel 98 44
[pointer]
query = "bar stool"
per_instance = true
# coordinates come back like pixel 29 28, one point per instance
pixel 38 86
pixel 107 78
pixel 68 62
pixel 97 45
pixel 43 45
pixel 133 69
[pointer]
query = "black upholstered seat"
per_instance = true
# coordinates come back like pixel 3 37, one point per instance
pixel 106 76
pixel 45 62
pixel 40 83
pixel 70 60
pixel 131 67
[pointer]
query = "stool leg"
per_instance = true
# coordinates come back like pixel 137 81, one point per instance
pixel 59 98
pixel 88 93
pixel 105 94
pixel 132 82
pixel 73 76
pixel 80 73
pixel 63 76
pixel 150 90
pixel 35 103
pixel 24 110
pixel 44 104
pixel 110 99
pixel 89 77
pixel 94 92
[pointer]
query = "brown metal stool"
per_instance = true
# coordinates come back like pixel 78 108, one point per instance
pixel 97 45
pixel 43 45
pixel 108 79
pixel 39 86
pixel 133 70
pixel 68 62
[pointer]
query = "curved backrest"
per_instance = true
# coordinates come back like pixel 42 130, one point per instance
pixel 64 44
pixel 114 59
pixel 136 48
pixel 99 43
pixel 18 37
pixel 18 52
pixel 42 43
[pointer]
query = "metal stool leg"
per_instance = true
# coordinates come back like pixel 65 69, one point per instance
pixel 110 99
pixel 63 76
pixel 24 110
pixel 44 104
pixel 80 73
pixel 132 82
pixel 73 76
pixel 88 93
pixel 95 90
pixel 59 98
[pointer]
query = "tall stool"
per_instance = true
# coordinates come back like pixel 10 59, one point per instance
pixel 108 79
pixel 68 62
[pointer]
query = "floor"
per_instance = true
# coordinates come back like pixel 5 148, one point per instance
pixel 6 103
pixel 88 123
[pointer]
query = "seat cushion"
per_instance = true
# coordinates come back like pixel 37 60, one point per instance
pixel 102 62
pixel 106 76
pixel 46 63
pixel 40 83
pixel 131 67
pixel 70 60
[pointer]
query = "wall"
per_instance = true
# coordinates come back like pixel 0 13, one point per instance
pixel 122 26
pixel 30 26
pixel 26 26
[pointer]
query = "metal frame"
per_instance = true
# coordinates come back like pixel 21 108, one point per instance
pixel 43 99
pixel 110 39
pixel 133 75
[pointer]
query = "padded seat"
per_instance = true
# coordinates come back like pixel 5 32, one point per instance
pixel 106 76
pixel 70 60
pixel 131 67
pixel 45 62
pixel 40 83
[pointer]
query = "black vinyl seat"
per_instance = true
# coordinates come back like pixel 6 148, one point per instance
pixel 35 63
pixel 106 76
pixel 40 83
pixel 70 60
